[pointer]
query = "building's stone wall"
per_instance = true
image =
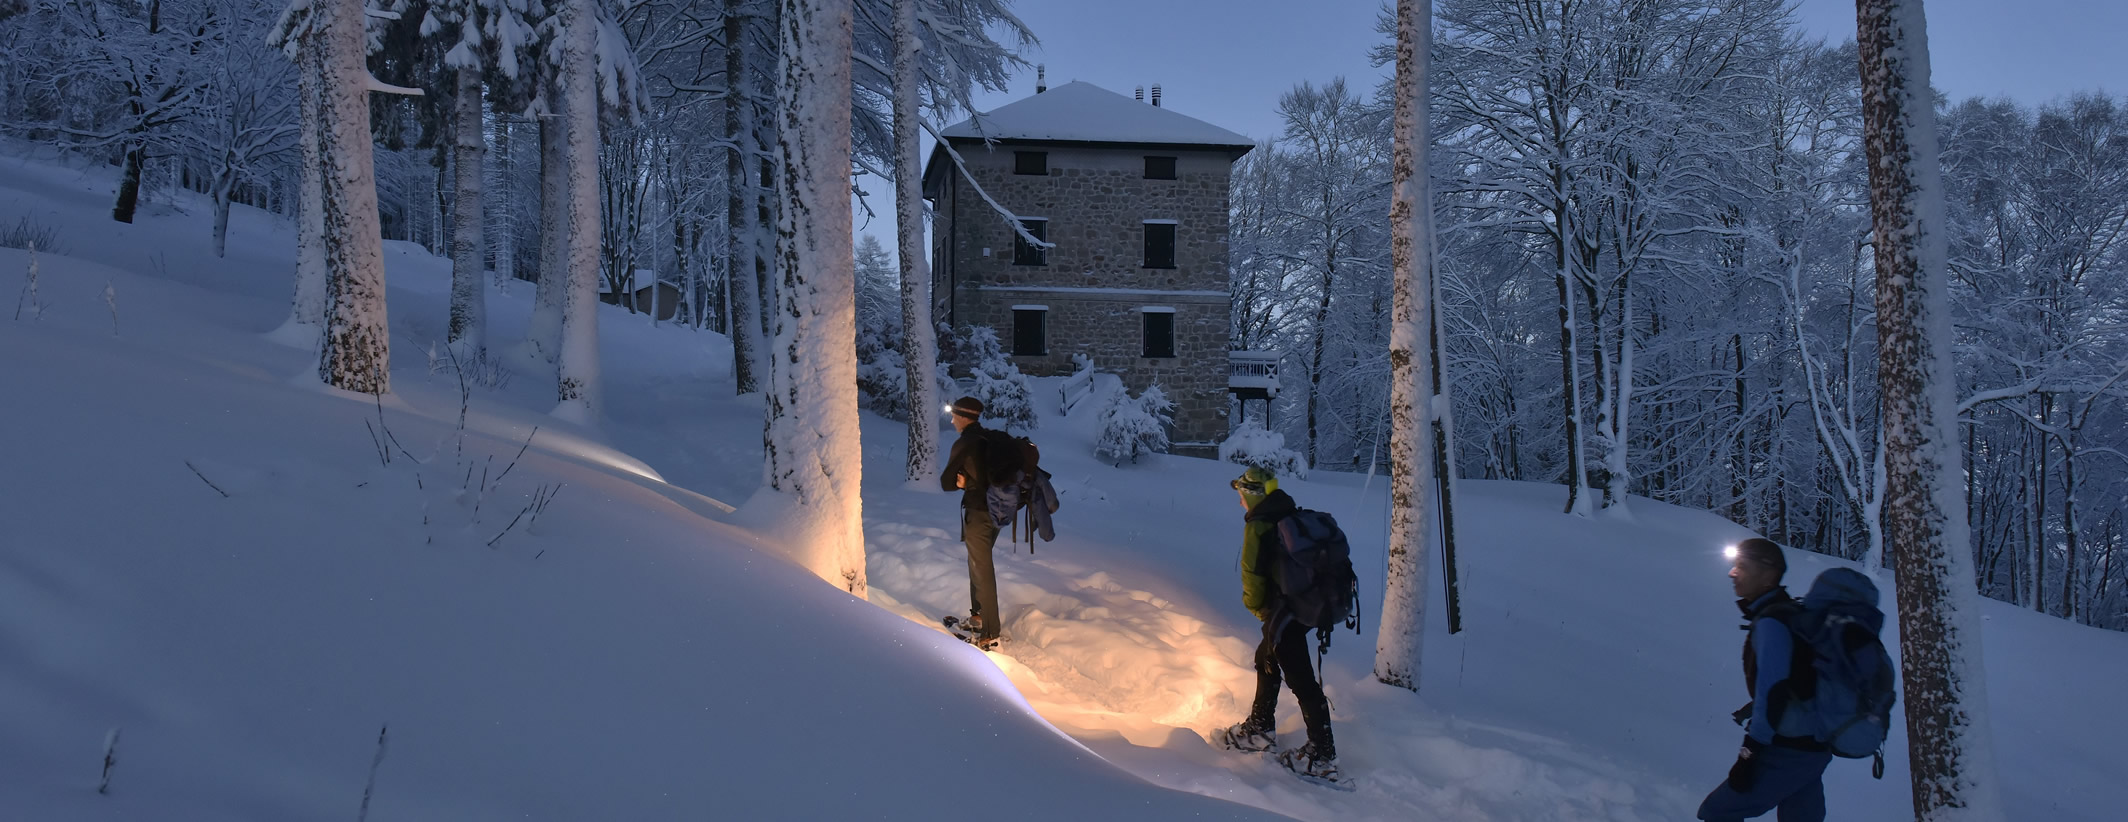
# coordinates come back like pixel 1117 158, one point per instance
pixel 1093 282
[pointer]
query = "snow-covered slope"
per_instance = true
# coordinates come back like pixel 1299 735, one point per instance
pixel 629 656
pixel 202 550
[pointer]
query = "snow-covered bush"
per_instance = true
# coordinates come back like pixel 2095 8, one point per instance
pixel 1008 399
pixel 1132 427
pixel 883 381
pixel 1252 445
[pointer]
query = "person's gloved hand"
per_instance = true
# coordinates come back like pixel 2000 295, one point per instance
pixel 1744 773
pixel 1742 715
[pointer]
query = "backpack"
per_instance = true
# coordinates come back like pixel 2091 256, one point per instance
pixel 1846 701
pixel 1014 463
pixel 1005 456
pixel 1314 572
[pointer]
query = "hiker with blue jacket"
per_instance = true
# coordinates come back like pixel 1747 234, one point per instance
pixel 1771 771
pixel 1284 649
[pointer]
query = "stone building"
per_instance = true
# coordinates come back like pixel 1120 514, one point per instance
pixel 1133 197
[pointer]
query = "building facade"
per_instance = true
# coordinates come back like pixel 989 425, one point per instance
pixel 1132 199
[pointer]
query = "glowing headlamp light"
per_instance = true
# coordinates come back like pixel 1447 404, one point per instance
pixel 1729 553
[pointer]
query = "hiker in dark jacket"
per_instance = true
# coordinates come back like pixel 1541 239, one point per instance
pixel 967 470
pixel 1284 649
pixel 1771 771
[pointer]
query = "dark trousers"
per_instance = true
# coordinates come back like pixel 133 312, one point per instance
pixel 980 532
pixel 1791 780
pixel 1284 650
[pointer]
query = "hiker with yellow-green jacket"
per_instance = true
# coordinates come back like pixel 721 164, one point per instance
pixel 1283 652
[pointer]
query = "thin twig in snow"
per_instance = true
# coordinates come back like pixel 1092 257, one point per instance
pixel 371 786
pixel 203 478
pixel 110 758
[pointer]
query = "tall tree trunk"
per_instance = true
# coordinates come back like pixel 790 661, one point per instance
pixel 919 348
pixel 1319 335
pixel 1948 737
pixel 543 334
pixel 129 182
pixel 1577 475
pixel 741 283
pixel 224 180
pixel 306 314
pixel 504 203
pixel 577 365
pixel 357 351
pixel 813 453
pixel 1411 389
pixel 2070 536
pixel 469 296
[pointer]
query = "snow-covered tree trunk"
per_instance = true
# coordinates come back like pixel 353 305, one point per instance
pixel 741 286
pixel 224 180
pixel 919 348
pixel 543 334
pixel 813 452
pixel 505 204
pixel 1618 408
pixel 1948 738
pixel 357 351
pixel 577 365
pixel 469 305
pixel 1577 475
pixel 1411 390
pixel 306 315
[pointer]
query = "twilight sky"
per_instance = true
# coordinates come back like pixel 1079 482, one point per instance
pixel 1227 61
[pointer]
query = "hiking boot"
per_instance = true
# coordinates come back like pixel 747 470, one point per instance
pixel 986 643
pixel 1312 762
pixel 1253 735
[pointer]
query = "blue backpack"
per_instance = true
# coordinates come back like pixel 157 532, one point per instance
pixel 1314 571
pixel 1847 703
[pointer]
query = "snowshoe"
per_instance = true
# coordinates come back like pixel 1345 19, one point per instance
pixel 970 632
pixel 1322 770
pixel 1249 737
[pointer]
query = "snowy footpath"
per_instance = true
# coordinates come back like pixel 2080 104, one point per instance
pixel 205 552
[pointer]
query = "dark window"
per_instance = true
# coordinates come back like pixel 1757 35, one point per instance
pixel 1031 162
pixel 1159 334
pixel 1159 245
pixel 1159 168
pixel 1024 254
pixel 1030 332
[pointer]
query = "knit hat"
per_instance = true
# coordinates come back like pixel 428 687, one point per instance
pixel 1255 484
pixel 969 407
pixel 1763 552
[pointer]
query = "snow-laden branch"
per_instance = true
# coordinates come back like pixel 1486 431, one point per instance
pixel 1011 219
pixel 382 87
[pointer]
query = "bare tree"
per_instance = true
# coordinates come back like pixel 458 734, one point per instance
pixel 1924 513
pixel 1412 372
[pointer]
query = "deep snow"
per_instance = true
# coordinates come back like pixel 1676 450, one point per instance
pixel 634 657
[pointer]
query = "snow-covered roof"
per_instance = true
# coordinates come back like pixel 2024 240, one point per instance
pixel 1081 112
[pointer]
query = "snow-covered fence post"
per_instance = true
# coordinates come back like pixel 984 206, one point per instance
pixel 1411 389
pixel 1948 738
pixel 813 450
